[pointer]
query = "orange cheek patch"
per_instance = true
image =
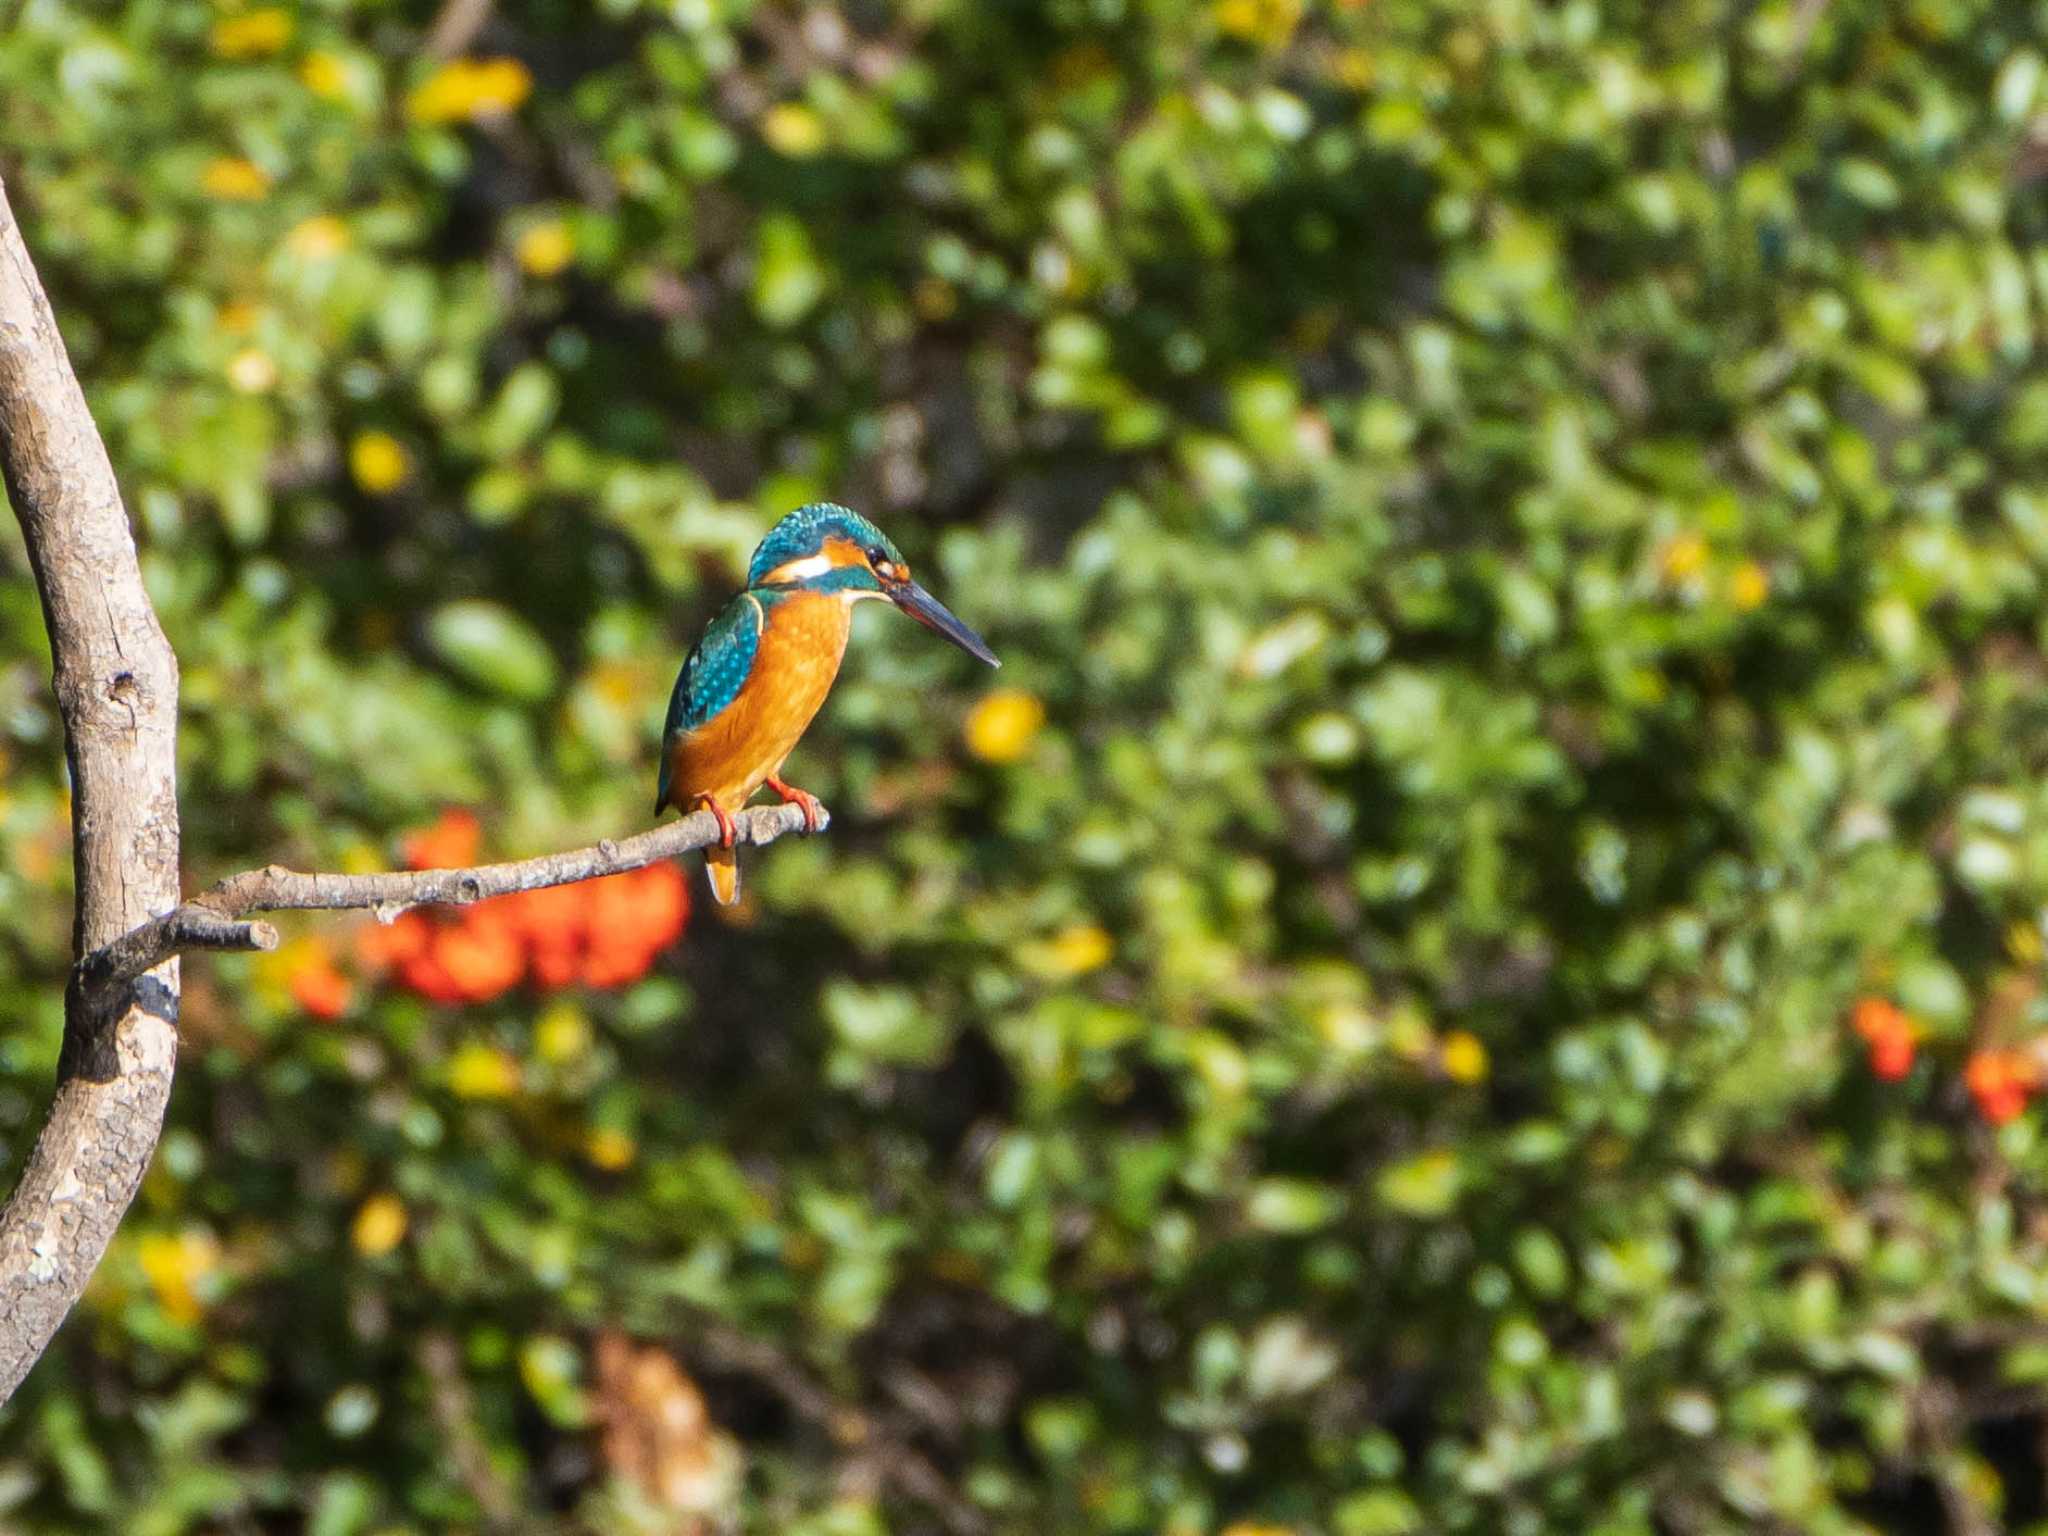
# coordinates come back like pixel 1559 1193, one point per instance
pixel 843 552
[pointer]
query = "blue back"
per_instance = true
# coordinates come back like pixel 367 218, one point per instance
pixel 713 674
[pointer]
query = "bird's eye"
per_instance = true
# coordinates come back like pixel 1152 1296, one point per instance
pixel 878 556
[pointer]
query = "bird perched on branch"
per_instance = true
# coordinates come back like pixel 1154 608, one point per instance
pixel 754 682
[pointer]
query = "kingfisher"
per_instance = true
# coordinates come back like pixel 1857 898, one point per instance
pixel 752 685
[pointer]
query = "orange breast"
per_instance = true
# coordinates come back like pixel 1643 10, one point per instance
pixel 730 755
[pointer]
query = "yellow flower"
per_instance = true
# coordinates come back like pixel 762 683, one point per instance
pixel 609 1149
pixel 561 1034
pixel 1748 586
pixel 481 1071
pixel 1683 558
pixel 324 75
pixel 234 180
pixel 1354 67
pixel 1001 728
pixel 320 238
pixel 1267 23
pixel 1463 1057
pixel 1074 951
pixel 379 1226
pixel 463 90
pixel 793 129
pixel 546 249
pixel 251 371
pixel 253 35
pixel 620 684
pixel 378 462
pixel 175 1267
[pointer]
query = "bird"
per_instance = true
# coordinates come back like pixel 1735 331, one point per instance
pixel 758 676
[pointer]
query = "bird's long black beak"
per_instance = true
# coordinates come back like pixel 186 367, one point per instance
pixel 936 616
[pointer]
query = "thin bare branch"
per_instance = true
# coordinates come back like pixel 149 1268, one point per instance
pixel 274 889
pixel 877 1448
pixel 185 928
pixel 456 27
pixel 454 1408
pixel 210 920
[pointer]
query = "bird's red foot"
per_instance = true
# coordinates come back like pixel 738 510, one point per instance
pixel 814 809
pixel 728 834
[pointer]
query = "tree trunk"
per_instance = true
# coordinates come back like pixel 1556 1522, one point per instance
pixel 117 688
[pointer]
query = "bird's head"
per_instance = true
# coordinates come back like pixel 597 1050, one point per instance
pixel 832 549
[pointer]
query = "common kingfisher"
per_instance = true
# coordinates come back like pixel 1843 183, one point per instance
pixel 758 676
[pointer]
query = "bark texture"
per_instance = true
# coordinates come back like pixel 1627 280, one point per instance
pixel 117 689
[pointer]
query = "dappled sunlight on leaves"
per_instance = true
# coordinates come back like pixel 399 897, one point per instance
pixel 1479 968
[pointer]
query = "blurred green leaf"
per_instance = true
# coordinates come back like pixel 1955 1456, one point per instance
pixel 491 647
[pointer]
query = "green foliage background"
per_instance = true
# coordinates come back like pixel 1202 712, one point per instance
pixel 1527 522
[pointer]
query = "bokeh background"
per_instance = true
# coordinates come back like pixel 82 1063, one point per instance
pixel 1478 969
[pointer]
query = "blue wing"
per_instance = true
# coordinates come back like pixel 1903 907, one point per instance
pixel 712 675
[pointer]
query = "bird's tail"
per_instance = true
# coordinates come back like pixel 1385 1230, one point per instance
pixel 723 871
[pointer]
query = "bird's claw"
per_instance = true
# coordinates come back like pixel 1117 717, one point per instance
pixel 728 832
pixel 814 808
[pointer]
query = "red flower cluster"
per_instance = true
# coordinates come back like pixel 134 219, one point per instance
pixel 450 843
pixel 2001 1082
pixel 2001 1079
pixel 1888 1033
pixel 601 933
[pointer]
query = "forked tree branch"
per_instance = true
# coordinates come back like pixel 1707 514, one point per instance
pixel 212 920
pixel 116 682
pixel 117 690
